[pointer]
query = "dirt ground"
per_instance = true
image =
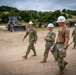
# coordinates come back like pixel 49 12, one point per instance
pixel 12 49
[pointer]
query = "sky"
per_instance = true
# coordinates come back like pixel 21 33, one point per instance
pixel 40 5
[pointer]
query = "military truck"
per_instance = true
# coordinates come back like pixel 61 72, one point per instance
pixel 14 25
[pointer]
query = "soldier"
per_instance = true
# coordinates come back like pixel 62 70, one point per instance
pixel 50 39
pixel 74 36
pixel 62 43
pixel 32 39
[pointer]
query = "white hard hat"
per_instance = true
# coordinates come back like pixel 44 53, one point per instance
pixel 30 22
pixel 50 25
pixel 61 19
pixel 75 24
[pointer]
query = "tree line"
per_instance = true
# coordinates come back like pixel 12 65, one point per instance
pixel 35 16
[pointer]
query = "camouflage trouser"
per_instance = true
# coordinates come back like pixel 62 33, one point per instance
pixel 58 55
pixel 75 43
pixel 55 54
pixel 46 52
pixel 31 46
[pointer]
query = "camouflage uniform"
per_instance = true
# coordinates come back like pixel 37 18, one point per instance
pixel 51 39
pixel 74 37
pixel 32 38
pixel 59 56
pixel 62 33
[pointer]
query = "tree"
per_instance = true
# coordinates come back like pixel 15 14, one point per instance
pixel 64 10
pixel 64 15
pixel 14 12
pixel 69 16
pixel 4 18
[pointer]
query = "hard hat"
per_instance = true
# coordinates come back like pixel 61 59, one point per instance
pixel 61 19
pixel 50 25
pixel 30 22
pixel 75 24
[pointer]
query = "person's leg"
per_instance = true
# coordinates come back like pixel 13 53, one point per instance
pixel 28 50
pixel 45 54
pixel 74 44
pixel 33 49
pixel 56 54
pixel 61 62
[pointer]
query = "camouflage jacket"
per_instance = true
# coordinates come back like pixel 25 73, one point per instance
pixel 74 33
pixel 50 37
pixel 32 34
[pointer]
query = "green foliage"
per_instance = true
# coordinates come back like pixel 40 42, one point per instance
pixel 4 18
pixel 33 15
pixel 64 10
pixel 69 16
pixel 64 14
pixel 70 12
pixel 5 8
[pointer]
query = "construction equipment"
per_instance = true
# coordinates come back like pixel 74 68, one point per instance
pixel 13 24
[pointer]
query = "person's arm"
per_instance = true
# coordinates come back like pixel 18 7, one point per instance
pixel 36 37
pixel 67 37
pixel 25 35
pixel 51 38
pixel 66 42
pixel 73 33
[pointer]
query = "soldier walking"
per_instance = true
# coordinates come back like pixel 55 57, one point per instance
pixel 74 36
pixel 62 43
pixel 32 39
pixel 50 39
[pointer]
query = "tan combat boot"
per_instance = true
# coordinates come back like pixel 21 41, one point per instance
pixel 34 55
pixel 25 57
pixel 73 48
pixel 65 63
pixel 60 73
pixel 44 61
